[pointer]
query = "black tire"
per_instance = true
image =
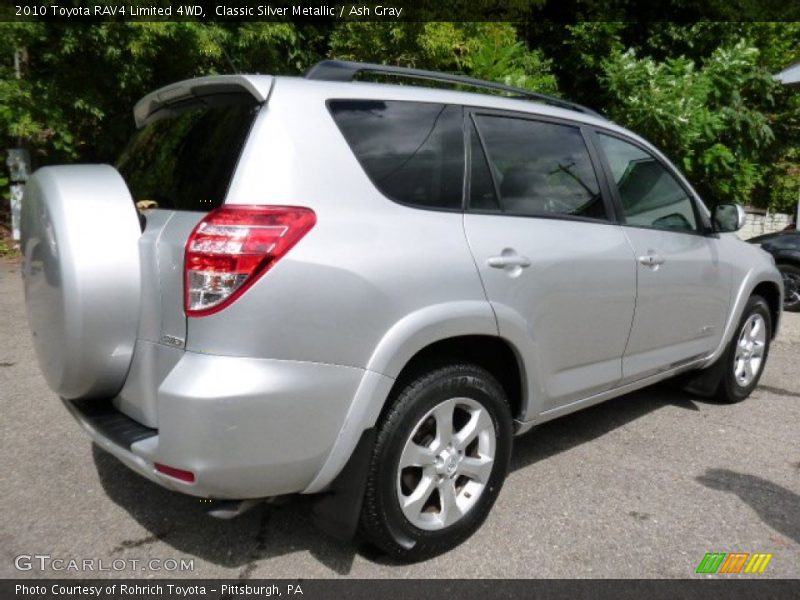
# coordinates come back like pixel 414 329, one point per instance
pixel 791 284
pixel 730 388
pixel 383 522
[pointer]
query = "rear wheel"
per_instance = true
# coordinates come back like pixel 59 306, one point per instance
pixel 791 287
pixel 747 352
pixel 440 459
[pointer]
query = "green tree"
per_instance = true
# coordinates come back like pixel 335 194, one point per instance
pixel 484 50
pixel 693 88
pixel 701 90
pixel 711 119
pixel 74 98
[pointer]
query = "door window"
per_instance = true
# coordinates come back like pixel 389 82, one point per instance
pixel 650 195
pixel 538 169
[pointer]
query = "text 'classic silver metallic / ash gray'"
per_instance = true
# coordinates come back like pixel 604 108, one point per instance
pixel 363 291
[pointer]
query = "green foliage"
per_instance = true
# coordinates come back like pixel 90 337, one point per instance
pixel 78 85
pixel 6 249
pixel 576 53
pixel 512 64
pixel 786 183
pixel 484 50
pixel 701 91
pixel 710 118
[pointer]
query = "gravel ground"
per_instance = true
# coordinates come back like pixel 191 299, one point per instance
pixel 641 486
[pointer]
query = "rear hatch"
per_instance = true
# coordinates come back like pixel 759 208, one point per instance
pixel 178 167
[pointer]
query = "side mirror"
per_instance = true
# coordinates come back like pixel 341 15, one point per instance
pixel 728 217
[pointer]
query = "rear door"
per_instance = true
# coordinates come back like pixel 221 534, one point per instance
pixel 558 271
pixel 684 282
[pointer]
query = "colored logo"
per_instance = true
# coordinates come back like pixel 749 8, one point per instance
pixel 734 562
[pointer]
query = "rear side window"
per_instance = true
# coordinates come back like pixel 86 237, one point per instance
pixel 186 161
pixel 412 151
pixel 539 168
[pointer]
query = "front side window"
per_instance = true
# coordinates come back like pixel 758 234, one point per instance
pixel 412 151
pixel 539 168
pixel 650 195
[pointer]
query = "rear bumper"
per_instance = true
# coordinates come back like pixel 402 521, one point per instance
pixel 246 428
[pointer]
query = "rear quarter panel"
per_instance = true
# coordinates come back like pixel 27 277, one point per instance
pixel 366 265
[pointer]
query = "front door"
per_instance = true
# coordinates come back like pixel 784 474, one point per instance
pixel 683 286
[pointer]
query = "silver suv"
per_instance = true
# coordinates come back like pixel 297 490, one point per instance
pixel 364 291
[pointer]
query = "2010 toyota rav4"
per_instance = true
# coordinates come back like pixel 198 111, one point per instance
pixel 364 291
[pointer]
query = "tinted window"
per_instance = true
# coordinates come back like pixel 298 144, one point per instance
pixel 650 195
pixel 186 161
pixel 541 168
pixel 481 186
pixel 413 152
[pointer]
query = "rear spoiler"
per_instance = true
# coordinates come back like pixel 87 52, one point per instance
pixel 157 104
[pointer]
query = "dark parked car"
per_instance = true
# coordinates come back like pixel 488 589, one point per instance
pixel 785 247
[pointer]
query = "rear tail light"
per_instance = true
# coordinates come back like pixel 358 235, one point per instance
pixel 235 245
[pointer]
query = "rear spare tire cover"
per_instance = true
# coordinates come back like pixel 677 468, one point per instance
pixel 80 249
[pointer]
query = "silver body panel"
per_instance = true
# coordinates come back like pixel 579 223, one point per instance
pixel 246 427
pixel 680 304
pixel 270 395
pixel 569 313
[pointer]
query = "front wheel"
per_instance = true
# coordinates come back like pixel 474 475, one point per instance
pixel 791 287
pixel 747 352
pixel 440 459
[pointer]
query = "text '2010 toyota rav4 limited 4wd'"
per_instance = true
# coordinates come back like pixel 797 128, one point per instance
pixel 364 291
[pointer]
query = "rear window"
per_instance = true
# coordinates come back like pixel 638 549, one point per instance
pixel 412 151
pixel 186 161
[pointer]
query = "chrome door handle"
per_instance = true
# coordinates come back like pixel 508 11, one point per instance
pixel 651 260
pixel 510 260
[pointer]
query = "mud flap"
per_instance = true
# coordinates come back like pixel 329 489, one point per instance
pixel 706 382
pixel 337 511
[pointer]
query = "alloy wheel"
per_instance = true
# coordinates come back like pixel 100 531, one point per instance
pixel 750 350
pixel 791 288
pixel 446 463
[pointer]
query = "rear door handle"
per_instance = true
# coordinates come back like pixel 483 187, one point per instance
pixel 509 260
pixel 651 260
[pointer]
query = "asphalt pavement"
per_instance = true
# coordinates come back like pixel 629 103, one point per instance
pixel 641 486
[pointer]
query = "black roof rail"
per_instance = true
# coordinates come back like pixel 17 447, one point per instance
pixel 342 70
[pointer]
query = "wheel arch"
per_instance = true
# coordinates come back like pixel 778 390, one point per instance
pixel 466 330
pixel 772 294
pixel 462 331
pixel 491 352
pixel 762 282
pixel 788 262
